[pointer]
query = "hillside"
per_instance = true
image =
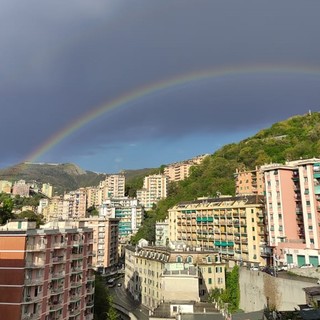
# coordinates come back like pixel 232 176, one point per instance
pixel 63 177
pixel 295 138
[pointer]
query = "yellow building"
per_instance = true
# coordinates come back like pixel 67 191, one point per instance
pixel 155 274
pixel 154 189
pixel 233 225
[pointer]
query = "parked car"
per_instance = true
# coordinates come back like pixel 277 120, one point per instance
pixel 119 284
pixel 254 268
pixel 307 265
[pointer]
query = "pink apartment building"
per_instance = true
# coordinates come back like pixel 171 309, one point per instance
pixel 46 274
pixel 293 211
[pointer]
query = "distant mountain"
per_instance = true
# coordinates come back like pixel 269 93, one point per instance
pixel 63 177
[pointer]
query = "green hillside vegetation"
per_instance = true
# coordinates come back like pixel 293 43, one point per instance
pixel 295 138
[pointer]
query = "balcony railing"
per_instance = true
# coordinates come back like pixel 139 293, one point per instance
pixel 36 247
pixel 35 264
pixel 58 275
pixel 33 282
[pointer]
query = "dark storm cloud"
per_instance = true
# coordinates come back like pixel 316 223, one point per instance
pixel 61 59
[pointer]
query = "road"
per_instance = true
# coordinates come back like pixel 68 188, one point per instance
pixel 123 299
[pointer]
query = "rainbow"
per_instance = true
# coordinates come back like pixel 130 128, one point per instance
pixel 164 85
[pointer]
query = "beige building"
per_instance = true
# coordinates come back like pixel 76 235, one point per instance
pixel 154 189
pixel 46 273
pixel 249 182
pixel 181 170
pixel 47 190
pixel 21 188
pixel 92 197
pixel 154 275
pixel 233 225
pixel 105 241
pixel 57 208
pixel 5 186
pixel 112 187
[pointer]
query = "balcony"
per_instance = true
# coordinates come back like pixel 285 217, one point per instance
pixel 58 275
pixel 30 316
pixel 59 245
pixel 58 259
pixel 35 264
pixel 33 282
pixel 35 247
pixel 57 290
pixel 32 299
pixel 75 284
pixel 90 304
pixel 75 270
pixel 55 305
pixel 74 312
pixel 75 297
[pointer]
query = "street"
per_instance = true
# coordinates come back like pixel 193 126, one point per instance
pixel 123 299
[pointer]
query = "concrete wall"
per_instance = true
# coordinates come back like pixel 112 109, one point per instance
pixel 256 286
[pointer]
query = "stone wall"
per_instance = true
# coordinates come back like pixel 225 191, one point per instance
pixel 284 294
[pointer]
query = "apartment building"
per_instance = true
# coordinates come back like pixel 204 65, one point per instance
pixel 47 190
pixel 154 189
pixel 77 203
pixel 112 187
pixel 56 208
pixel 71 205
pixel 129 212
pixel 92 197
pixel 162 233
pixel 249 182
pixel 181 170
pixel 46 273
pixel 21 188
pixel 105 241
pixel 5 186
pixel 154 275
pixel 293 207
pixel 233 225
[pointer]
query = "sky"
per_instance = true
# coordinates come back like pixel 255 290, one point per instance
pixel 113 85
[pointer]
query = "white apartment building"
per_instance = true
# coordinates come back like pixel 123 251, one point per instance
pixel 162 233
pixel 128 211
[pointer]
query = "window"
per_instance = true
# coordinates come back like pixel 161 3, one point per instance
pixel 210 281
pixel 252 220
pixel 308 203
pixel 189 259
pixel 209 270
pixel 178 259
pixel 309 215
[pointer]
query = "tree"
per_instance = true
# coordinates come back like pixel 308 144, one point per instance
pixel 31 216
pixel 6 210
pixel 103 309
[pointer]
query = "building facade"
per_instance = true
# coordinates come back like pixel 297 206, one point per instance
pixel 162 233
pixel 129 212
pixel 233 225
pixel 181 170
pixel 249 182
pixel 154 275
pixel 293 211
pixel 154 189
pixel 46 274
pixel 105 241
